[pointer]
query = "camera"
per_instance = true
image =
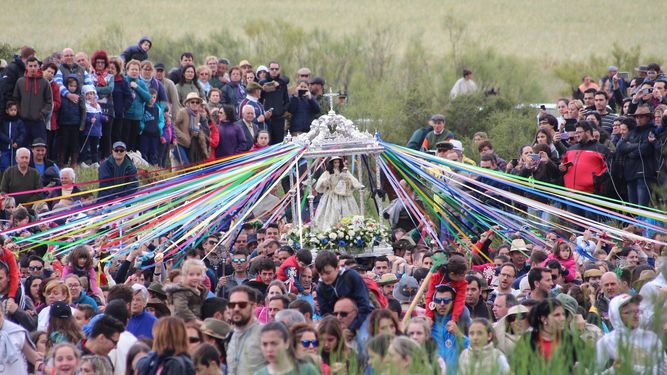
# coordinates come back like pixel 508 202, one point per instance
pixel 302 92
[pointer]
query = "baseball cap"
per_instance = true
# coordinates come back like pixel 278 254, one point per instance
pixel 159 66
pixel 60 309
pixel 38 142
pixel 317 81
pixel 458 146
pixel 119 144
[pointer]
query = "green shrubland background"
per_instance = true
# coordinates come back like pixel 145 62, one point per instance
pixel 397 60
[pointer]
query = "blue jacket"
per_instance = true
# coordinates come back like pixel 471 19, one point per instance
pixel 149 118
pixel 303 112
pixel 141 96
pixel 112 174
pixel 72 114
pixel 12 131
pixel 122 98
pixel 141 325
pixel 94 130
pixel 87 300
pixel 448 346
pixel 348 284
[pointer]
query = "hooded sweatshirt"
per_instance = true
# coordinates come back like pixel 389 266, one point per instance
pixel 34 97
pixel 135 52
pixel 642 346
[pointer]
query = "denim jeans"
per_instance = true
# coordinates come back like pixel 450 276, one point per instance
pixel 638 191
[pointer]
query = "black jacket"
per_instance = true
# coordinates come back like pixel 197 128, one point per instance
pixel 11 74
pixel 171 364
pixel 277 99
pixel 638 154
pixel 135 52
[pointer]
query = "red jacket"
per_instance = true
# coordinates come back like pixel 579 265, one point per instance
pixel 55 90
pixel 214 140
pixel 14 275
pixel 588 160
pixel 459 302
pixel 288 263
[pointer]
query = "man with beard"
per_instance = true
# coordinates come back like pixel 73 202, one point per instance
pixel 244 355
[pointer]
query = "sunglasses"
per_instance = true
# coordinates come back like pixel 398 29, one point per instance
pixel 238 260
pixel 342 314
pixel 310 343
pixel 115 342
pixel 513 317
pixel 212 242
pixel 35 268
pixel 119 150
pixel 241 305
pixel 274 69
pixel 439 301
pixel 193 340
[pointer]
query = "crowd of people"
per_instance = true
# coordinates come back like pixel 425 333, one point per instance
pixel 608 139
pixel 254 304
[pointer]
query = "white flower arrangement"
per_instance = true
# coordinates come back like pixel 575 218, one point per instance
pixel 354 234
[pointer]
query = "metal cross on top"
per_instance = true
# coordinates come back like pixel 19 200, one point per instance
pixel 331 96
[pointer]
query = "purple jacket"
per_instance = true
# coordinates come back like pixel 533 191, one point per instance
pixel 232 140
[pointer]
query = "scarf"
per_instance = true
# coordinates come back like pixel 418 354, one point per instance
pixel 100 77
pixel 193 120
pixel 90 108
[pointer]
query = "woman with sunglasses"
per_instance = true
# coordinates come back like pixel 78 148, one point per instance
pixel 280 359
pixel 510 328
pixel 189 130
pixel 305 343
pixel 170 350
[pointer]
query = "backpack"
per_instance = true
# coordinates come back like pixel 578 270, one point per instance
pixel 375 295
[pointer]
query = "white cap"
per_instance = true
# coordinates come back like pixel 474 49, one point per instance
pixel 458 146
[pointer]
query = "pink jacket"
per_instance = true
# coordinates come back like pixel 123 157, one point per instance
pixel 569 264
pixel 92 279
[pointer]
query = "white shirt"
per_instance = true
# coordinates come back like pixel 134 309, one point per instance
pixel 43 318
pixel 119 355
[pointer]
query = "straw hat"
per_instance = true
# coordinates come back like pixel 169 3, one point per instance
pixel 387 279
pixel 519 245
pixel 192 96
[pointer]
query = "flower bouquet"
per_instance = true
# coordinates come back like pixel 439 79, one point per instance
pixel 352 234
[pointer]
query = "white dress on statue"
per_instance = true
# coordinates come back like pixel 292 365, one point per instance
pixel 337 200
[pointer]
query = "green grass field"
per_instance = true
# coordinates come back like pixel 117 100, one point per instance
pixel 546 30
